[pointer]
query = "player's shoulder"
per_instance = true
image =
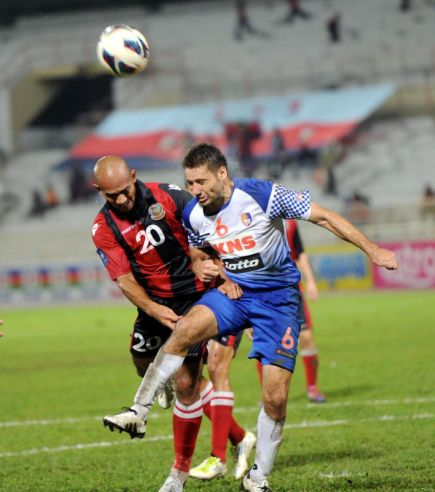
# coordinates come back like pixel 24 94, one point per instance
pixel 259 189
pixel 188 211
pixel 168 188
pixel 253 185
pixel 100 230
pixel 168 192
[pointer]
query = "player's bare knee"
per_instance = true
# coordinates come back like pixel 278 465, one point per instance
pixel 186 390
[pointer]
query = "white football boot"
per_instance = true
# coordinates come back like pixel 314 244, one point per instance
pixel 255 486
pixel 127 421
pixel 175 481
pixel 243 451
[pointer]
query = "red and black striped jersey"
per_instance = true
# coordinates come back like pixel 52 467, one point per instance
pixel 149 241
pixel 293 238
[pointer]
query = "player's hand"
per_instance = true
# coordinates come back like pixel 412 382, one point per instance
pixel 384 258
pixel 231 289
pixel 205 270
pixel 250 333
pixel 163 315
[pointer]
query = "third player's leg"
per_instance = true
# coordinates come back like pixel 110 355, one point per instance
pixel 219 362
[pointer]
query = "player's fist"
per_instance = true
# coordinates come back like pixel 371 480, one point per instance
pixel 384 258
pixel 206 270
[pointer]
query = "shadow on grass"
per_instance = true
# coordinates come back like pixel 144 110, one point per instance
pixel 310 458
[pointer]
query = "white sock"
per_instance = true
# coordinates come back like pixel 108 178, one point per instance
pixel 158 373
pixel 269 437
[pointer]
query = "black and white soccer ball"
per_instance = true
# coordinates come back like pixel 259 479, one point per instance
pixel 123 50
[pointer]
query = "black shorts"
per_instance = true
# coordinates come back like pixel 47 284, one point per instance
pixel 149 335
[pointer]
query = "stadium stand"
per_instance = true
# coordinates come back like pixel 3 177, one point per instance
pixel 195 58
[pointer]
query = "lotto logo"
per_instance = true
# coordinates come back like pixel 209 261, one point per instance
pixel 246 264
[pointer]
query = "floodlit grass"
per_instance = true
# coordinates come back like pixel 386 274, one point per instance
pixel 62 369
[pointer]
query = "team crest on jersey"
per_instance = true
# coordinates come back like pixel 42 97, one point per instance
pixel 246 218
pixel 156 211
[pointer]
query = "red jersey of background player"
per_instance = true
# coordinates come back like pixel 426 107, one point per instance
pixel 296 248
pixel 149 241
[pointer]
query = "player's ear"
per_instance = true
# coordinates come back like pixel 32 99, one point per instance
pixel 133 175
pixel 223 172
pixel 96 187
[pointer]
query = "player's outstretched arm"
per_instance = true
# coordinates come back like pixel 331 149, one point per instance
pixel 342 228
pixel 138 296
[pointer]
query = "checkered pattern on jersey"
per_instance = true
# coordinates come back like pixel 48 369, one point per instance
pixel 194 239
pixel 289 204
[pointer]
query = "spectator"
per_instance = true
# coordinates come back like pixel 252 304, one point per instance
pixel 51 198
pixel 38 206
pixel 404 5
pixel 295 10
pixel 359 209
pixel 333 26
pixel 278 159
pixel 331 156
pixel 79 186
pixel 248 132
pixel 428 203
pixel 306 156
pixel 243 24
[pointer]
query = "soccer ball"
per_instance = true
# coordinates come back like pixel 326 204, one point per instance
pixel 122 50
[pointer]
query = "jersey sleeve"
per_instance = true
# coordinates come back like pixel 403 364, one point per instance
pixel 289 204
pixel 195 240
pixel 110 252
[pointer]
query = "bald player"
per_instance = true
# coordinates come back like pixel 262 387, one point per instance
pixel 143 246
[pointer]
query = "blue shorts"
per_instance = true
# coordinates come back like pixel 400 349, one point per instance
pixel 275 316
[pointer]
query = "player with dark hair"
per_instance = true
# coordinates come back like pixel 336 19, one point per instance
pixel 235 217
pixel 142 244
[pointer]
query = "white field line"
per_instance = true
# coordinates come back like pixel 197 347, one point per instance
pixel 75 420
pixel 300 425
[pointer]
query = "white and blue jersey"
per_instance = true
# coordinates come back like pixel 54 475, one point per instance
pixel 256 256
pixel 255 253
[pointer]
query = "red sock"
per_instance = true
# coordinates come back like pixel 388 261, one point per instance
pixel 221 416
pixel 236 433
pixel 186 422
pixel 260 372
pixel 311 363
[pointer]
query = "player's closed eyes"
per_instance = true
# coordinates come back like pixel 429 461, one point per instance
pixel 114 196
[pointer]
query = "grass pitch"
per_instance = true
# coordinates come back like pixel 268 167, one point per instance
pixel 62 369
